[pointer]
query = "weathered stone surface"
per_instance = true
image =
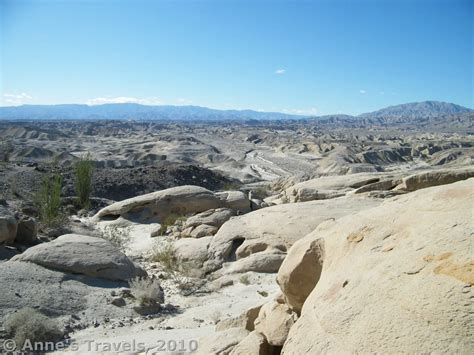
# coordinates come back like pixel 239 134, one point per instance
pixel 214 218
pixel 156 206
pixel 235 200
pixel 246 320
pixel 192 253
pixel 55 293
pixel 253 344
pixel 277 228
pixel 266 262
pixel 221 343
pixel 274 322
pixel 434 178
pixel 8 226
pixel 301 270
pixel 203 230
pixel 327 187
pixel 80 254
pixel 397 278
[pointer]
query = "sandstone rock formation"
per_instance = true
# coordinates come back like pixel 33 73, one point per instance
pixel 434 178
pixel 274 322
pixel 397 278
pixel 301 270
pixel 156 206
pixel 275 229
pixel 80 254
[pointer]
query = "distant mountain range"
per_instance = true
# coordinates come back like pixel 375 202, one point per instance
pixel 418 109
pixel 130 111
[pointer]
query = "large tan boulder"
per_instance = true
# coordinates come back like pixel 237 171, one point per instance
pixel 395 279
pixel 156 206
pixel 245 320
pixel 434 178
pixel 221 343
pixel 8 226
pixel 301 270
pixel 80 254
pixel 253 344
pixel 275 229
pixel 274 322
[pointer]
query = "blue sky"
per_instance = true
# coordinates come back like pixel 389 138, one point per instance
pixel 303 57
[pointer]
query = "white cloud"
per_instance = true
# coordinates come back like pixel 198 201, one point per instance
pixel 182 101
pixel 280 71
pixel 123 100
pixel 303 112
pixel 17 99
pixel 362 92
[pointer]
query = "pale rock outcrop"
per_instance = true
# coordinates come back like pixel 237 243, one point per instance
pixel 434 178
pixel 265 262
pixel 253 344
pixel 301 270
pixel 221 343
pixel 397 278
pixel 245 320
pixel 274 322
pixel 327 187
pixel 156 206
pixel 80 254
pixel 191 252
pixel 215 217
pixel 203 230
pixel 8 226
pixel 235 200
pixel 275 229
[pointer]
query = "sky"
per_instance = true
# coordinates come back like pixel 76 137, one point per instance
pixel 301 57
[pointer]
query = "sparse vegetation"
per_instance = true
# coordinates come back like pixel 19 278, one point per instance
pixel 29 324
pixel 120 237
pixel 169 221
pixel 230 186
pixel 147 291
pixel 49 198
pixel 83 179
pixel 261 192
pixel 263 293
pixel 244 279
pixel 165 254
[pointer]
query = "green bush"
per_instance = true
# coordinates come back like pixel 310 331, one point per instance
pixel 49 198
pixel 29 324
pixel 83 179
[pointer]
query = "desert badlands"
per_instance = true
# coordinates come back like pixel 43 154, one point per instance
pixel 257 237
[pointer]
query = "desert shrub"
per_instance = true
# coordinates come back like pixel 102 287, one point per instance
pixel 244 279
pixel 165 254
pixel 230 186
pixel 83 179
pixel 29 324
pixel 49 198
pixel 170 220
pixel 147 291
pixel 260 192
pixel 120 237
